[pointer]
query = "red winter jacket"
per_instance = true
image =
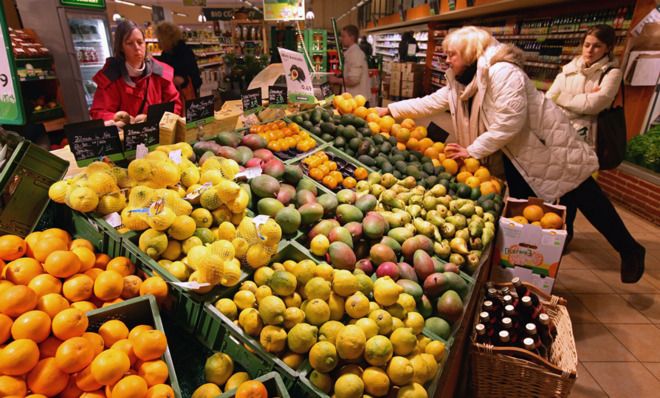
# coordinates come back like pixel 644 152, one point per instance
pixel 116 91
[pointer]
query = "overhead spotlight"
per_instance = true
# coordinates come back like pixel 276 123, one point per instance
pixel 201 18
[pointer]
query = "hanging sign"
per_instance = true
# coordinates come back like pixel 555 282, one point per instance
pixel 91 144
pixel 146 133
pixel 298 78
pixel 84 3
pixel 199 110
pixel 227 14
pixel 277 10
pixel 277 97
pixel 11 105
pixel 251 100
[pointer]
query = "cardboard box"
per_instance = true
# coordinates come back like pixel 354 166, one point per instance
pixel 412 71
pixel 528 246
pixel 411 89
pixel 395 77
pixel 395 67
pixel 395 88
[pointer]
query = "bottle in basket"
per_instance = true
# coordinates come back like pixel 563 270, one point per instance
pixel 510 312
pixel 531 333
pixel 529 345
pixel 504 339
pixel 507 326
pixel 493 297
pixel 546 331
pixel 526 310
pixel 489 307
pixel 520 288
pixel 482 336
pixel 491 331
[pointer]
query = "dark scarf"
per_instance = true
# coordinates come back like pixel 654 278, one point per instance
pixel 468 74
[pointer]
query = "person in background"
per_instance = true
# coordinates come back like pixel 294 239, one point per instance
pixel 366 48
pixel 406 52
pixel 132 80
pixel 356 72
pixel 587 86
pixel 496 109
pixel 179 56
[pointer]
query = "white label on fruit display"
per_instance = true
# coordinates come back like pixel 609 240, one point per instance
pixel 141 151
pixel 260 220
pixel 250 173
pixel 198 191
pixel 175 156
pixel 191 285
pixel 114 219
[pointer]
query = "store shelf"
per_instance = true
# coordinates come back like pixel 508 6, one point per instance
pixel 41 59
pixel 91 65
pixel 88 41
pixel 202 43
pixel 37 78
pixel 206 65
pixel 205 54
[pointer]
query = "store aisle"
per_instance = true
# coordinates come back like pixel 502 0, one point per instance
pixel 616 326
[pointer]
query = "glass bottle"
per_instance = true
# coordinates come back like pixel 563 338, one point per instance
pixel 504 338
pixel 531 332
pixel 482 336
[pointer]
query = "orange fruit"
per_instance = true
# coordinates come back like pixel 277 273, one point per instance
pixel 11 386
pixel 482 174
pixel 36 396
pixel 33 325
pixel 81 243
pixel 122 265
pixel 473 182
pixel 44 246
pixel 113 331
pixel 126 346
pixel 102 260
pixel 86 381
pixel 112 302
pixel 44 284
pixel 251 389
pixel 96 340
pixel 149 345
pixel 94 394
pixel 137 330
pixel 49 347
pixel 52 304
pixel 130 387
pixel 463 176
pixel 71 390
pixel 520 220
pixel 108 285
pixel 552 220
pixel 46 378
pixel 74 354
pixel 30 240
pixel 400 146
pixel 156 286
pixel 5 328
pixel 160 391
pixel 87 257
pixel 93 273
pixel 153 372
pixel 16 300
pixel 533 213
pixel 12 247
pixel 84 306
pixel 450 166
pixel 131 288
pixel 413 144
pixel 487 188
pixel 78 288
pixel 4 285
pixel 70 323
pixel 19 357
pixel 349 182
pixel 57 233
pixel 62 263
pixel 360 173
pixel 431 153
pixel 109 366
pixel 424 144
pixel 22 270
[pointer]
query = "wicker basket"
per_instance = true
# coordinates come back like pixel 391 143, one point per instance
pixel 515 372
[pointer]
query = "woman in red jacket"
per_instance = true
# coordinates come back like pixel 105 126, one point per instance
pixel 131 80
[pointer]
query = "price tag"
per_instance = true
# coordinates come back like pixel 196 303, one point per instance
pixel 252 102
pixel 141 151
pixel 146 133
pixel 298 77
pixel 277 97
pixel 250 173
pixel 175 156
pixel 198 191
pixel 326 91
pixel 258 221
pixel 199 109
pixel 157 207
pixel 114 219
pixel 194 285
pixel 90 144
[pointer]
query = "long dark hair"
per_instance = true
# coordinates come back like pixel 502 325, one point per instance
pixel 124 29
pixel 605 34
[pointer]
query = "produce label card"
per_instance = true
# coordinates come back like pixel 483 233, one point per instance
pixel 298 77
pixel 155 112
pixel 277 97
pixel 251 100
pixel 146 133
pixel 199 111
pixel 326 92
pixel 97 143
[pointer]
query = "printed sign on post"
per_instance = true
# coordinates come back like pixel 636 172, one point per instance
pixel 11 105
pixel 298 77
pixel 277 97
pixel 251 100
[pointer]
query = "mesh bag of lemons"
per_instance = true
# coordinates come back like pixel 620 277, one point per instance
pixel 192 219
pixel 360 336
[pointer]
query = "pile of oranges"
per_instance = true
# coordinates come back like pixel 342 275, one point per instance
pixel 282 136
pixel 47 284
pixel 324 170
pixel 473 174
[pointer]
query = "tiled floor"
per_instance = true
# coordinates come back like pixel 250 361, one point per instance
pixel 616 326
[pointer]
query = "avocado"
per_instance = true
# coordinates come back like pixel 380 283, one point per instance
pixel 431 180
pixel 378 139
pixel 366 160
pixel 325 116
pixel 397 174
pixel 349 152
pixel 328 128
pixel 297 119
pixel 305 116
pixel 380 160
pixel 392 140
pixel 428 168
pixel 327 137
pixel 364 131
pixel 476 192
pixel 307 125
pixel 364 148
pixel 316 130
pixel 385 147
pixel 373 151
pixel 315 116
pixel 354 143
pixel 387 167
pixel 412 170
pixel 349 132
pixel 463 191
pixel 400 165
pixel 396 158
pixel 340 142
pixel 347 119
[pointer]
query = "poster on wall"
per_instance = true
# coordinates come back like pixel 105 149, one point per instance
pixel 284 10
pixel 11 105
pixel 299 85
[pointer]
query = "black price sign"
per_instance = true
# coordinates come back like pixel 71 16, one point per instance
pixel 437 133
pixel 251 101
pixel 146 133
pixel 277 96
pixel 96 143
pixel 199 109
pixel 326 91
pixel 155 112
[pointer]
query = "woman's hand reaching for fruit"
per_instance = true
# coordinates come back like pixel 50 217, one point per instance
pixel 455 151
pixel 383 111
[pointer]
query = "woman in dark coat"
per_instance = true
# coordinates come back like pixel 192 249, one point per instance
pixel 179 56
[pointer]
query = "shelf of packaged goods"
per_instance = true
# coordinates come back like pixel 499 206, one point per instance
pixel 553 35
pixel 91 65
pixel 385 54
pixel 381 46
pixel 422 55
pixel 37 78
pixel 158 54
pixel 205 54
pixel 41 59
pixel 88 40
pixel 437 69
pixel 208 64
pixel 202 43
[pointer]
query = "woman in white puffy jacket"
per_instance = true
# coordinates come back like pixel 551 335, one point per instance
pixel 496 111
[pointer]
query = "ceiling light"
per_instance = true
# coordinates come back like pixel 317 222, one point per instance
pixel 180 14
pixel 128 3
pixel 146 7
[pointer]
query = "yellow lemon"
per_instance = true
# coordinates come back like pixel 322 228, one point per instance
pixel 437 349
pixel 378 350
pixel 244 299
pixel 344 283
pixel 400 371
pixel 414 390
pixel 357 305
pixel 323 356
pixel 376 381
pixel 330 330
pixel 317 312
pixel 227 307
pixel 350 342
pixel 317 287
pixel 415 321
pixel 403 340
pixel 292 317
pixel 337 304
pixel 324 271
pixel 349 386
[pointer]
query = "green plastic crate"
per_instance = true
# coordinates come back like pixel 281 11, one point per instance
pixel 25 178
pixel 141 310
pixel 273 383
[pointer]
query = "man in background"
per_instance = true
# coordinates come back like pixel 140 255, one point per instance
pixel 356 72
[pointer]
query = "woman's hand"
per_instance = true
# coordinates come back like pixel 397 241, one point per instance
pixel 455 151
pixel 383 111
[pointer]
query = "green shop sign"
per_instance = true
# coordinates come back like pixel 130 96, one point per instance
pixel 11 105
pixel 84 3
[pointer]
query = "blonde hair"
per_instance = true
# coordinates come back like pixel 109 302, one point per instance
pixel 168 35
pixel 471 42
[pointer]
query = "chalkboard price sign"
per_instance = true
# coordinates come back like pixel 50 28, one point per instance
pixel 326 91
pixel 96 143
pixel 199 109
pixel 146 133
pixel 277 96
pixel 251 101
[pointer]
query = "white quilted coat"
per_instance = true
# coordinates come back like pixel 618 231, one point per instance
pixel 515 118
pixel 573 91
